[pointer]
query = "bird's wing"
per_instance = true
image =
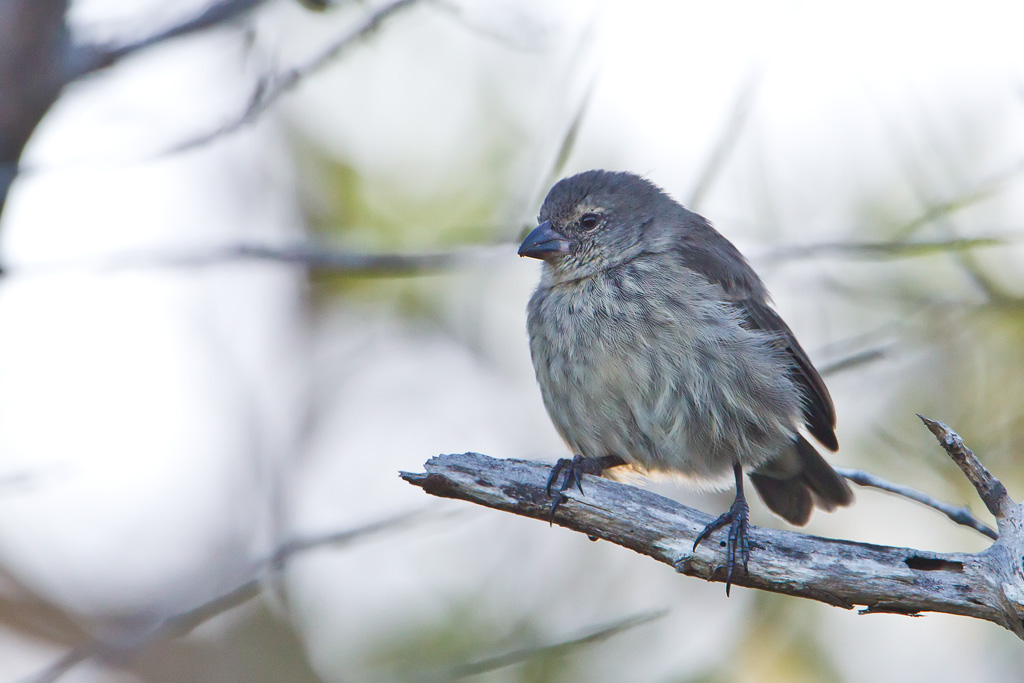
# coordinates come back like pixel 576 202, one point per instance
pixel 715 257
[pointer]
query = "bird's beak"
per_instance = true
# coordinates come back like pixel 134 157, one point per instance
pixel 544 241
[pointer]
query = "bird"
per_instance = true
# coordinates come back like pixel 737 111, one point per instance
pixel 656 346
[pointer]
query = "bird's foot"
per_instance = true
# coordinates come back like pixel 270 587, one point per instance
pixel 736 517
pixel 574 469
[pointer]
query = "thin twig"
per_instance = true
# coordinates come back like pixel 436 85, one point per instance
pixel 90 58
pixel 314 256
pixel 960 515
pixel 986 189
pixel 318 257
pixel 186 622
pixel 182 624
pixel 600 634
pixel 884 250
pixel 58 668
pixel 854 360
pixel 342 538
pixel 990 489
pixel 38 58
pixel 273 86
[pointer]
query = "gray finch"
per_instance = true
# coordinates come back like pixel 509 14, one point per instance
pixel 655 346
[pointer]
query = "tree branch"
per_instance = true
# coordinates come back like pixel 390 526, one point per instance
pixel 899 249
pixel 853 360
pixel 595 636
pixel 988 585
pixel 960 515
pixel 319 257
pixel 315 256
pixel 38 58
pixel 33 48
pixel 273 86
pixel 89 58
pixel 184 623
pixel 990 489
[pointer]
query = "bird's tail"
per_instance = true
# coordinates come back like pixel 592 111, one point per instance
pixel 792 486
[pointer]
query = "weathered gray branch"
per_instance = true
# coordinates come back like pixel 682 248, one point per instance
pixel 990 489
pixel 988 585
pixel 960 515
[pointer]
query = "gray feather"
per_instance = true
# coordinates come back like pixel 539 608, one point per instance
pixel 653 340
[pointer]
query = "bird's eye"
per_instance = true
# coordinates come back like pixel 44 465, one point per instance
pixel 589 221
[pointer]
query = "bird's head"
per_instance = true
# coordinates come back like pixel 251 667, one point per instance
pixel 594 221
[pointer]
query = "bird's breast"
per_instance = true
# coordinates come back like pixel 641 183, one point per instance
pixel 664 381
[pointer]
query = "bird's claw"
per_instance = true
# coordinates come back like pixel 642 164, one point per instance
pixel 574 469
pixel 558 500
pixel 737 518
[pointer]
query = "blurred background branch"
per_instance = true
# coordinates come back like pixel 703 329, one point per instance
pixel 596 635
pixel 33 50
pixel 182 624
pixel 38 58
pixel 886 250
pixel 272 86
pixel 87 58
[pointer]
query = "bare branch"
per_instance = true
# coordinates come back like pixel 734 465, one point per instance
pixel 990 489
pixel 960 515
pixel 34 43
pixel 854 360
pixel 58 668
pixel 38 58
pixel 341 538
pixel 941 210
pixel 318 257
pixel 836 572
pixel 273 86
pixel 184 623
pixel 90 58
pixel 884 250
pixel 595 636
